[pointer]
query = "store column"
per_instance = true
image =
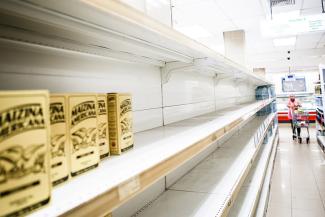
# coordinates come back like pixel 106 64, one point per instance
pixel 235 46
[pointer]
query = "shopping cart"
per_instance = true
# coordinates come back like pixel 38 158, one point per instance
pixel 301 120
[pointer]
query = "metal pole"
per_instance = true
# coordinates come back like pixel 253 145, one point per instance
pixel 271 9
pixel 171 14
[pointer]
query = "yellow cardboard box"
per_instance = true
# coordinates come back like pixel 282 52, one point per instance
pixel 120 122
pixel 102 122
pixel 59 140
pixel 24 151
pixel 83 138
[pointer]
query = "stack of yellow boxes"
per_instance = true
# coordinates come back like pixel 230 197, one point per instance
pixel 44 140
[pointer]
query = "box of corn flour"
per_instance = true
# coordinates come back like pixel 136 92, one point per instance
pixel 59 148
pixel 24 151
pixel 120 122
pixel 102 123
pixel 83 138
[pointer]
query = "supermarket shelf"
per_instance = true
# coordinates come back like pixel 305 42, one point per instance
pixel 318 95
pixel 156 153
pixel 109 29
pixel 212 186
pixel 248 198
pixel 265 192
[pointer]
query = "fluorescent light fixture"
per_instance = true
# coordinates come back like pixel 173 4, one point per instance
pixel 194 31
pixel 290 41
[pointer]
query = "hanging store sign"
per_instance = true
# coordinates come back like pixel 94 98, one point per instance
pixel 293 25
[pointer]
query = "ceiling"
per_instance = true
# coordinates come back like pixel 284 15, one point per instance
pixel 210 18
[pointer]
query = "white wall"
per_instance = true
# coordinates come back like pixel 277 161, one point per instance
pixel 229 92
pixel 310 76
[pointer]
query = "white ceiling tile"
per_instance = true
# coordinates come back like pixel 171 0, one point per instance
pixel 220 26
pixel 311 11
pixel 310 37
pixel 302 45
pixel 312 4
pixel 284 48
pixel 203 13
pixel 217 16
pixel 241 8
pixel 197 11
pixel 252 23
pixel 308 40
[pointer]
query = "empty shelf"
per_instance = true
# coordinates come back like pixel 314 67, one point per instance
pixel 156 153
pixel 265 191
pixel 210 188
pixel 247 200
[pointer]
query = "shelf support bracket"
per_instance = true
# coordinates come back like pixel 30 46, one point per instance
pixel 172 67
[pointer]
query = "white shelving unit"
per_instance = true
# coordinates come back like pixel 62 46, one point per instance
pixel 157 152
pixel 265 191
pixel 213 185
pixel 110 30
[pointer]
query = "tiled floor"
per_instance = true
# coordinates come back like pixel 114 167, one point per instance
pixel 298 182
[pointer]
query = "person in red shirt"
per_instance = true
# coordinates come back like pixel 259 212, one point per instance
pixel 293 105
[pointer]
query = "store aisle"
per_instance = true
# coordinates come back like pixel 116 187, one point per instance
pixel 298 182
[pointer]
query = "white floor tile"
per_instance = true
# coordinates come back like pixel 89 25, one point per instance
pixel 298 181
pixel 277 211
pixel 307 204
pixel 307 213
